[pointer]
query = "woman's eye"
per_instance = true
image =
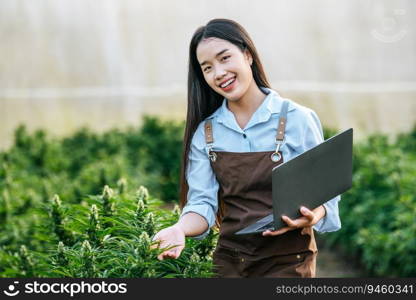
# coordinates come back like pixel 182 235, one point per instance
pixel 206 69
pixel 225 57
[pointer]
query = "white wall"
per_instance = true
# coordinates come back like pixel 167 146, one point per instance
pixel 105 63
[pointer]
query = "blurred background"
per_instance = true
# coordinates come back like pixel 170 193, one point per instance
pixel 105 63
pixel 78 79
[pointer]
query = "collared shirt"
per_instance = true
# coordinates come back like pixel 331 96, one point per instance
pixel 303 131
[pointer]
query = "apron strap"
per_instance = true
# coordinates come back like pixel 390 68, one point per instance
pixel 282 122
pixel 280 136
pixel 209 138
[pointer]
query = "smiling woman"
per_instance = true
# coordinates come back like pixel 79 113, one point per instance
pixel 227 70
pixel 233 122
pixel 229 58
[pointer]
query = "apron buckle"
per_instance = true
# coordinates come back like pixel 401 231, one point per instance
pixel 211 155
pixel 276 156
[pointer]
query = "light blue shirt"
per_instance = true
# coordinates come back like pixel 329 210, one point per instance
pixel 303 131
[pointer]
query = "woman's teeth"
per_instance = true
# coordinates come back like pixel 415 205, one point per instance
pixel 227 83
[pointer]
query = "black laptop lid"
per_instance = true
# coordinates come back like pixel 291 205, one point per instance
pixel 312 178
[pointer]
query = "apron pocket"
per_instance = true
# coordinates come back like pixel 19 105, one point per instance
pixel 226 252
pixel 290 259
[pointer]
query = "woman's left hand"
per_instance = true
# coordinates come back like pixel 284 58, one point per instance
pixel 309 218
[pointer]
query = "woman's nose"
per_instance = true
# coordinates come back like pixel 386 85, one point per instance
pixel 220 73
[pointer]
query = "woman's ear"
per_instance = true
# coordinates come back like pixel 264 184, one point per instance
pixel 248 56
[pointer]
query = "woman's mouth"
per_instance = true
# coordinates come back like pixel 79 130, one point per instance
pixel 228 85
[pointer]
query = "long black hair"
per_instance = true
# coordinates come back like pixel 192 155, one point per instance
pixel 202 100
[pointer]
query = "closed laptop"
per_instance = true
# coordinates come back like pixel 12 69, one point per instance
pixel 310 179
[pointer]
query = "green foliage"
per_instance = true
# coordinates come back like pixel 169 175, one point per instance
pixel 378 213
pixel 161 151
pixel 90 229
pixel 84 162
pixel 122 248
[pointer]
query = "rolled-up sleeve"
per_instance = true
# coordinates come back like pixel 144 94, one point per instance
pixel 313 135
pixel 202 197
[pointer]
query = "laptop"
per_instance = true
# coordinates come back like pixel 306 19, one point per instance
pixel 310 179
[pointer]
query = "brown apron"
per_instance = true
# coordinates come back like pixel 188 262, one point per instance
pixel 245 192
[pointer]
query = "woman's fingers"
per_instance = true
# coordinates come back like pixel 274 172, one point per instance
pixel 306 220
pixel 277 232
pixel 291 223
pixel 156 242
pixel 173 252
pixel 176 253
pixel 307 213
pixel 165 254
pixel 171 241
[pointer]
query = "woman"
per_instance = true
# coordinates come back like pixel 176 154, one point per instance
pixel 233 121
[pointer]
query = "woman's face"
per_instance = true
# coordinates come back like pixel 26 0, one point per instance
pixel 225 67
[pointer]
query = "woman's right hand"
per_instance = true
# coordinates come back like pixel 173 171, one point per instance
pixel 170 236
